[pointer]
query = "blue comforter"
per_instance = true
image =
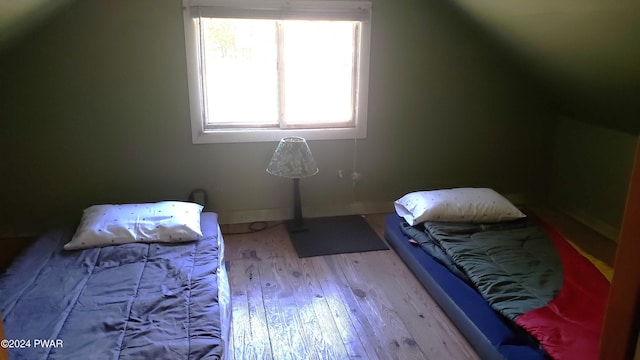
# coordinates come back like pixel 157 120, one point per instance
pixel 132 301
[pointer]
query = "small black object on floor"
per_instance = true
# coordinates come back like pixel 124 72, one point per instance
pixel 335 235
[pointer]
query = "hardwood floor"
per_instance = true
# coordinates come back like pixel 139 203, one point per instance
pixel 347 306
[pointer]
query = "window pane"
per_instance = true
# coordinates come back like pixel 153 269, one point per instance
pixel 240 76
pixel 319 71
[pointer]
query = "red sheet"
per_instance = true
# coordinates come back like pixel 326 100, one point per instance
pixel 569 326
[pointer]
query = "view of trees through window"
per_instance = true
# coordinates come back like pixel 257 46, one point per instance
pixel 284 73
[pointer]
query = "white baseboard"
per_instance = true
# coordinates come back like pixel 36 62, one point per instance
pixel 278 214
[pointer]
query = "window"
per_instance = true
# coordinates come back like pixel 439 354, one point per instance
pixel 261 70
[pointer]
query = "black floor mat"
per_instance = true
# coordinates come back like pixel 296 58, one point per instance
pixel 335 235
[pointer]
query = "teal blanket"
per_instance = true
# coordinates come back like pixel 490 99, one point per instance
pixel 514 265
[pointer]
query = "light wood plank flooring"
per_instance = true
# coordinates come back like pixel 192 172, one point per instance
pixel 347 306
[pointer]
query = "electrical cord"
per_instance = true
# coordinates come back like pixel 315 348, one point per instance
pixel 254 227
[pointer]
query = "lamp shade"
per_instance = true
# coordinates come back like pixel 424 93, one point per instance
pixel 292 159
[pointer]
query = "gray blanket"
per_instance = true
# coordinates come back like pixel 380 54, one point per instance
pixel 131 301
pixel 514 265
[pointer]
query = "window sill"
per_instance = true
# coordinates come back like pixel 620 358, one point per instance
pixel 265 135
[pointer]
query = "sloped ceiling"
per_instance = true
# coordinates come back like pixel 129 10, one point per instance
pixel 17 17
pixel 584 53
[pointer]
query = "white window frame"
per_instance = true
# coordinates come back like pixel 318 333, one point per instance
pixel 359 10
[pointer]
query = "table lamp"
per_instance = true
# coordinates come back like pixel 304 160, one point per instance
pixel 292 159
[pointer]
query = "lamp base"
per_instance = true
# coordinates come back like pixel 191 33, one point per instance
pixel 296 225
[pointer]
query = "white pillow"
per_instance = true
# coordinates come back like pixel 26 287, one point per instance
pixel 166 221
pixel 460 204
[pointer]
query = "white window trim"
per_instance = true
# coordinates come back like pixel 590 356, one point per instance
pixel 324 8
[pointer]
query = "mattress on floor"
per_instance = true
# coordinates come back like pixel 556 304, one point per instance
pixel 528 272
pixel 491 335
pixel 130 301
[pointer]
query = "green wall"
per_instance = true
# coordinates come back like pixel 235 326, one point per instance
pixel 591 171
pixel 94 109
